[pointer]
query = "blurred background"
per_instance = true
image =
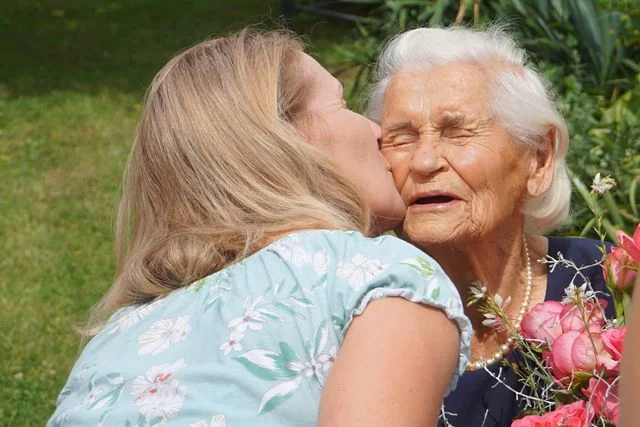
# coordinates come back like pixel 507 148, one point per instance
pixel 72 77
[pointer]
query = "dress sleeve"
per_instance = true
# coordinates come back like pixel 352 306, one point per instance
pixel 370 269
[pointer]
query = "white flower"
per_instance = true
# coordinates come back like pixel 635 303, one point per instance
pixel 491 321
pixel 327 360
pixel 233 343
pixel 574 292
pixel 320 262
pixel 498 299
pixel 220 283
pixel 162 334
pixel 602 185
pixel 135 315
pixel 252 318
pixel 478 290
pixel 216 421
pixel 360 270
pixel 157 393
pixel 290 249
pixel 312 368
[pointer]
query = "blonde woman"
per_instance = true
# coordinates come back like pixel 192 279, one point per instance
pixel 247 292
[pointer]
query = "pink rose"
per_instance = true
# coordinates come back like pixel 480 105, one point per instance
pixel 542 322
pixel 571 318
pixel 630 244
pixel 576 414
pixel 603 396
pixel 572 352
pixel 619 264
pixel 613 340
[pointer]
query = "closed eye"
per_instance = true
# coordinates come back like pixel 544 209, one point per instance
pixel 389 141
pixel 456 132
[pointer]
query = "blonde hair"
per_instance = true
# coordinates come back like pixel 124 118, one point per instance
pixel 218 170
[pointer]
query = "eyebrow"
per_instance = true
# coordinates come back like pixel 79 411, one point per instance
pixel 452 118
pixel 398 126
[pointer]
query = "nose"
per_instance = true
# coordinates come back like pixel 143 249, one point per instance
pixel 377 130
pixel 426 159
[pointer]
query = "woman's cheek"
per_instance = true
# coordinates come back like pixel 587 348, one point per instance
pixel 399 163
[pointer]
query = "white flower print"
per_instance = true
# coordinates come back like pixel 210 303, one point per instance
pixel 233 343
pixel 320 262
pixel 134 316
pixel 360 270
pixel 216 421
pixel 308 369
pixel 162 334
pixel 327 360
pixel 157 393
pixel 290 249
pixel 251 318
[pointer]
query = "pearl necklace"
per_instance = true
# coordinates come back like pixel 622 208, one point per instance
pixel 510 343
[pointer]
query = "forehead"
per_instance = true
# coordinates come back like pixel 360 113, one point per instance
pixel 319 75
pixel 459 87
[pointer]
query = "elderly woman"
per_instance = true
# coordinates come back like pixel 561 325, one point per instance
pixel 477 150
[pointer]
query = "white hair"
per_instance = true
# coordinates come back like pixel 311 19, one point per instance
pixel 520 99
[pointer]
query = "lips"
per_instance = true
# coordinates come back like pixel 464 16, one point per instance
pixel 432 198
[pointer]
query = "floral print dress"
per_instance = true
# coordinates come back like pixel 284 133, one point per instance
pixel 251 344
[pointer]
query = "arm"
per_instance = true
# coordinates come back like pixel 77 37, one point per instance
pixel 630 375
pixel 394 367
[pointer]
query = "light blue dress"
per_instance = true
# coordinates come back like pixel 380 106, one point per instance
pixel 250 345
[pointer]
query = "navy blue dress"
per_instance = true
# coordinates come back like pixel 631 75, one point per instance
pixel 478 401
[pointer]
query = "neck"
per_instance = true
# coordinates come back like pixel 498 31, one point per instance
pixel 496 260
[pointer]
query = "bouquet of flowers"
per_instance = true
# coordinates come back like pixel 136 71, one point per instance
pixel 569 352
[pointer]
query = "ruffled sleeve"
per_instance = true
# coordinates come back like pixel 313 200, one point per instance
pixel 369 269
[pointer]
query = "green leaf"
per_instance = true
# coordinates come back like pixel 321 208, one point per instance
pixel 435 293
pixel 286 308
pixel 287 352
pixel 632 195
pixel 338 321
pixel 265 364
pixel 277 395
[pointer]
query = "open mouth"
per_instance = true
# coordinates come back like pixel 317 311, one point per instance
pixel 434 200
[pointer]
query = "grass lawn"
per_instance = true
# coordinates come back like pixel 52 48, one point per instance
pixel 72 77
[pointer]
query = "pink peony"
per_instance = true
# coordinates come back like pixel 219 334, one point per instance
pixel 603 396
pixel 576 414
pixel 619 263
pixel 613 340
pixel 630 244
pixel 542 322
pixel 573 352
pixel 571 317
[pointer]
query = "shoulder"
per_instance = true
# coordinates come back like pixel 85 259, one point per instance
pixel 346 244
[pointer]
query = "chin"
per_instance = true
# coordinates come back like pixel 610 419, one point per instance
pixel 431 234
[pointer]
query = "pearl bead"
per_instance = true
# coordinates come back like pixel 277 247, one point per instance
pixel 506 347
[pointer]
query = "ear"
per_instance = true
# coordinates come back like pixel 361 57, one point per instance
pixel 542 164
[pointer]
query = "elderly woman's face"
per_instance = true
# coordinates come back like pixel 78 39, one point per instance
pixel 457 170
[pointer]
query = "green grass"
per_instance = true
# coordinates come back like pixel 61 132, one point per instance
pixel 72 77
